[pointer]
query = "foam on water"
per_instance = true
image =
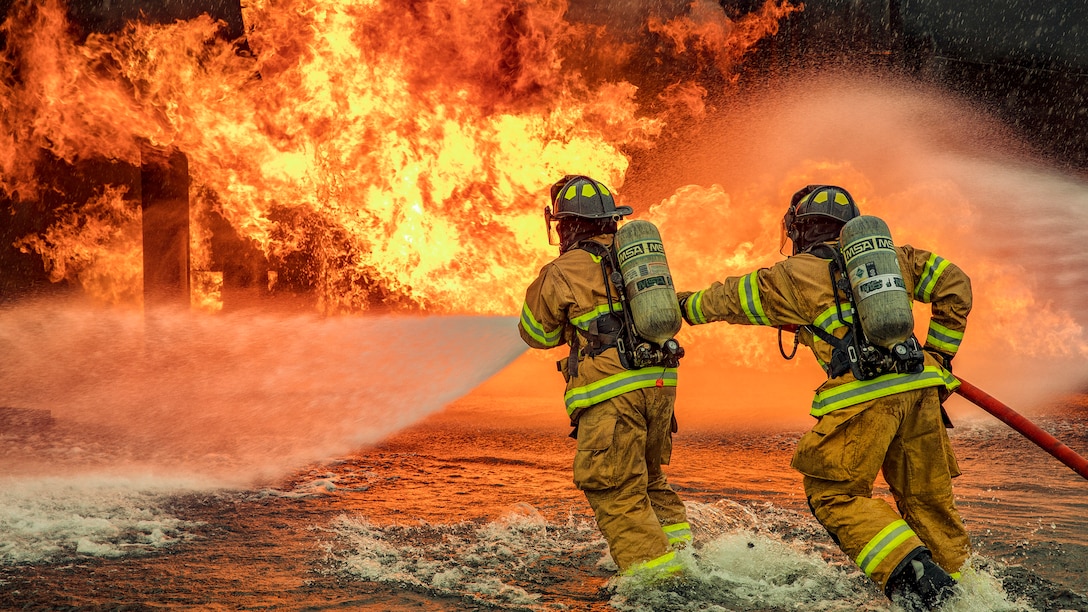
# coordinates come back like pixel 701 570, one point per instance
pixel 484 564
pixel 505 564
pixel 58 518
pixel 147 407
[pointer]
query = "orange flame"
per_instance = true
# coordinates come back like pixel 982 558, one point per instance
pixel 401 150
pixel 98 243
pixel 394 154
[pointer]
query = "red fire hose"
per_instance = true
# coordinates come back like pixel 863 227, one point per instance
pixel 1030 430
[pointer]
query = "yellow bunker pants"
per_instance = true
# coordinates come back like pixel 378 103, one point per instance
pixel 622 444
pixel 904 436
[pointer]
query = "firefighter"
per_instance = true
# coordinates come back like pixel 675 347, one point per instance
pixel 623 417
pixel 893 422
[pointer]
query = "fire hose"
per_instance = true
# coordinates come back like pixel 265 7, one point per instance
pixel 1029 430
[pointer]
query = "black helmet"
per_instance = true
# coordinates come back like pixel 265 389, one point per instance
pixel 580 196
pixel 583 207
pixel 816 214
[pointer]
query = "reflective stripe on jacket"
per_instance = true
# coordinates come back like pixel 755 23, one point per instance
pixel 798 291
pixel 569 293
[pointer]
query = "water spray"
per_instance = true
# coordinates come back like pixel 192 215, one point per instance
pixel 1029 430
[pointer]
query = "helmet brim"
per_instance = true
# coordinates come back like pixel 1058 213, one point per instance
pixel 621 211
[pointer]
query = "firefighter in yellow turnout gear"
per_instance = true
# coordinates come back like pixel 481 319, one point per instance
pixel 893 422
pixel 623 417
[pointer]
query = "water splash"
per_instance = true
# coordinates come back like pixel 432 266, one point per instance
pixel 59 518
pixel 503 564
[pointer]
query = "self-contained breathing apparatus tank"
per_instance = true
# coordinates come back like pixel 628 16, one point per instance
pixel 646 283
pixel 878 294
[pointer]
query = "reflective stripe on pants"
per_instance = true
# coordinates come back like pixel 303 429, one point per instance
pixel 622 444
pixel 903 437
pixel 679 534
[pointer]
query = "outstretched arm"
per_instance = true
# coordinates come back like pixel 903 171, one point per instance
pixel 767 296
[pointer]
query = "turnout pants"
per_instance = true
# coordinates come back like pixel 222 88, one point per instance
pixel 622 444
pixel 903 436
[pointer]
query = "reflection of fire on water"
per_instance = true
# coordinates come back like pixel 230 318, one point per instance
pixel 373 155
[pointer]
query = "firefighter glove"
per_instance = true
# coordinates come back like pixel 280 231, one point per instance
pixel 681 299
pixel 942 358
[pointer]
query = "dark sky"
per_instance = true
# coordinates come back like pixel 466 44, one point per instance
pixel 111 15
pixel 1050 33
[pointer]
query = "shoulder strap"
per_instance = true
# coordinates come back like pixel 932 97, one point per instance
pixel 823 250
pixel 595 248
pixel 845 350
pixel 624 338
pixel 608 267
pixel 840 349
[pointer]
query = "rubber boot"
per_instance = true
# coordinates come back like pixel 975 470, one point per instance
pixel 918 584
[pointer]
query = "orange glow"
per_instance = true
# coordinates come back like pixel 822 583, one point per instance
pixel 97 243
pixel 405 149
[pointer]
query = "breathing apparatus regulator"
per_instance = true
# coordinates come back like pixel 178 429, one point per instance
pixel 644 315
pixel 863 268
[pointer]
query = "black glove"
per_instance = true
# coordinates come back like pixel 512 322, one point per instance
pixel 942 392
pixel 942 358
pixel 682 300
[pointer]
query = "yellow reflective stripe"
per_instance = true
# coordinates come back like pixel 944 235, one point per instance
pixel 582 321
pixel 942 338
pixel 536 330
pixel 618 384
pixel 694 307
pixel 678 532
pixel 882 545
pixel 931 272
pixel 859 391
pixel 665 564
pixel 829 319
pixel 749 299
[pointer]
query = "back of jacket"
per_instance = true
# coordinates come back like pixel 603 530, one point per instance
pixel 799 291
pixel 568 295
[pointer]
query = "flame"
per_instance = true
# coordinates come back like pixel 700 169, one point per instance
pixel 713 37
pixel 96 242
pixel 377 154
pixel 388 154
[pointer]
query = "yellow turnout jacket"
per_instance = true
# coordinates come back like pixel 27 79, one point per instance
pixel 568 295
pixel 798 291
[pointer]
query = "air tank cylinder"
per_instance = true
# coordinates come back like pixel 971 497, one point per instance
pixel 651 295
pixel 880 295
